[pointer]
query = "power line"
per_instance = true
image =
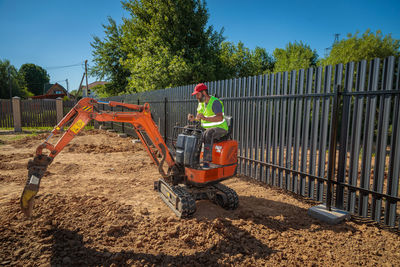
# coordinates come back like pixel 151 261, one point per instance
pixel 66 66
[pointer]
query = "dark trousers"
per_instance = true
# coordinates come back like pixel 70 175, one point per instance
pixel 209 136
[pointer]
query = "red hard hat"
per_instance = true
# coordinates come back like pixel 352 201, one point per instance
pixel 200 87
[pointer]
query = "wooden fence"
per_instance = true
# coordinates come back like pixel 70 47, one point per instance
pixel 6 116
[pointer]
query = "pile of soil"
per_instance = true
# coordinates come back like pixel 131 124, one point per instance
pixel 96 206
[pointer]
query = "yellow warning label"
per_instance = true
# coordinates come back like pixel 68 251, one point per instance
pixel 77 126
pixel 88 108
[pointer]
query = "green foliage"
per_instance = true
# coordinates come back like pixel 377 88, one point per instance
pixel 35 77
pixel 295 56
pixel 107 56
pixel 169 44
pixel 239 61
pixel 368 46
pixel 9 74
pixel 166 44
pixel 101 90
pixel 76 93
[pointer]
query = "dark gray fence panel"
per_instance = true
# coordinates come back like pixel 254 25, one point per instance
pixel 356 134
pixel 337 86
pixel 297 131
pixel 344 132
pixel 314 133
pixel 368 138
pixel 289 136
pixel 282 129
pixel 323 137
pixel 383 125
pixel 248 118
pixel 263 92
pixel 253 120
pixel 258 113
pixel 394 159
pixel 305 131
pixel 268 144
pixel 275 128
pixel 241 138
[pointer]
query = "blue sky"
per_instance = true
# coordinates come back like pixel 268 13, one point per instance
pixel 55 33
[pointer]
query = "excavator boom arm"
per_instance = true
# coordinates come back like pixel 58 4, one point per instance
pixel 79 116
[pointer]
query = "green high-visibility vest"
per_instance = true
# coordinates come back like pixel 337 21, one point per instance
pixel 208 112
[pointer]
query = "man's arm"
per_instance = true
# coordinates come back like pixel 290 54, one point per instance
pixel 218 117
pixel 191 117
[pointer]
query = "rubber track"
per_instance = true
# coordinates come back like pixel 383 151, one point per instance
pixel 232 197
pixel 188 202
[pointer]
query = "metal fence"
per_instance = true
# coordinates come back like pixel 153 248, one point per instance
pixel 284 124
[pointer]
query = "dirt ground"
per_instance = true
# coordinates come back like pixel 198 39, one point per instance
pixel 96 207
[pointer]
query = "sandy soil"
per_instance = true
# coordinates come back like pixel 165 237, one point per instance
pixel 97 207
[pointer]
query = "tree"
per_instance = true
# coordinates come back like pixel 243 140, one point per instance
pixel 9 74
pixel 295 56
pixel 368 46
pixel 100 90
pixel 240 61
pixel 107 56
pixel 35 77
pixel 168 44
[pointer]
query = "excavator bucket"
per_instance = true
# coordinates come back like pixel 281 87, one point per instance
pixel 27 200
pixel 36 169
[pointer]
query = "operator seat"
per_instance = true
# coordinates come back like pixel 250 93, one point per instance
pixel 228 136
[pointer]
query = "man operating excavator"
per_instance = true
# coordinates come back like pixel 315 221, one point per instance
pixel 210 112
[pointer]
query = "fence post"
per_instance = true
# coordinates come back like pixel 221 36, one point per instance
pixel 332 147
pixel 59 109
pixel 16 107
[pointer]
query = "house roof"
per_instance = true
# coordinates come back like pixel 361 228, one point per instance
pixel 93 84
pixel 50 92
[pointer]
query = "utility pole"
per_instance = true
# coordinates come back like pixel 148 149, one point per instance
pixel 336 38
pixel 9 81
pixel 335 41
pixel 66 80
pixel 85 92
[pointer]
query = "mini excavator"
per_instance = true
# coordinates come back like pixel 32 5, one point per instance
pixel 183 181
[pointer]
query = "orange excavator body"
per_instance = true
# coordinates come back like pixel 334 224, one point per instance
pixel 178 198
pixel 224 155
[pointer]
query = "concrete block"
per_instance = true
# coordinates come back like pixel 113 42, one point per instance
pixel 334 216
